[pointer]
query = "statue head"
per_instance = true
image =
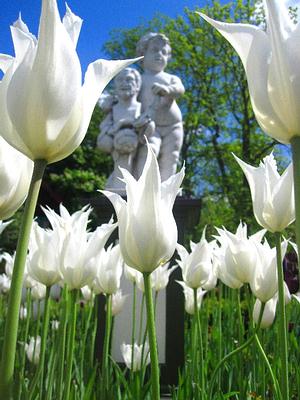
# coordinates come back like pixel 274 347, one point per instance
pixel 127 83
pixel 156 49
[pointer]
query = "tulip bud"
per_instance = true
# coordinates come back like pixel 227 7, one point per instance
pixel 5 283
pixel 117 302
pixel 138 352
pixel 236 257
pixel 108 268
pixel 272 194
pixel 268 314
pixel 189 298
pixel 197 267
pixel 33 349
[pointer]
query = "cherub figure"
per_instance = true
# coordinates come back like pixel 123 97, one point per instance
pixel 158 96
pixel 122 125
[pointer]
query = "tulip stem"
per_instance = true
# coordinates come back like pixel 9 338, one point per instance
pixel 265 358
pixel 152 338
pixel 200 343
pixel 282 321
pixel 220 314
pixel 234 352
pixel 295 143
pixel 62 344
pixel 133 325
pixel 44 341
pixel 71 341
pixel 106 345
pixel 90 305
pixel 25 337
pixel 12 319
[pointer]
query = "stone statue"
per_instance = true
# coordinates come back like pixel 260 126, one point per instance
pixel 143 106
pixel 123 126
pixel 158 95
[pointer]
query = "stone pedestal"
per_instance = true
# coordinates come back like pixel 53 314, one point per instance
pixel 187 214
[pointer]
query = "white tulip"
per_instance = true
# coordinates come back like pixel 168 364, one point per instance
pixel 38 291
pixel 138 352
pixel 239 255
pixel 43 260
pixel 270 308
pixel 87 293
pixel 268 314
pixel 64 222
pixel 147 228
pixel 220 267
pixel 44 110
pixel 264 281
pixel 79 249
pixel 23 312
pixel 272 194
pixel 117 302
pixel 108 266
pixel 28 281
pixel 131 274
pixel 160 277
pixel 197 266
pixel 5 283
pixel 271 59
pixel 15 176
pixel 33 349
pixel 9 263
pixel 189 302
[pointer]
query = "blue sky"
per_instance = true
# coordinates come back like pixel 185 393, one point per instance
pixel 100 17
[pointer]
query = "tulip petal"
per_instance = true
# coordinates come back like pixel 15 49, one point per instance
pixel 255 178
pixel 258 236
pixel 285 210
pixel 73 24
pixel 181 250
pixel 132 189
pixel 97 76
pixel 22 38
pixel 5 62
pixel 170 187
pixel 254 48
pixel 282 72
pixel 116 200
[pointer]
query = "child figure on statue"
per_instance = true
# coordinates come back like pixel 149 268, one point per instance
pixel 158 96
pixel 123 123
